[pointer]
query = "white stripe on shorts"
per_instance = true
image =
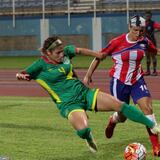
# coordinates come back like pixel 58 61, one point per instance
pixel 115 87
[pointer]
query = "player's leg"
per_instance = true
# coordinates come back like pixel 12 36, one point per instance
pixel 154 61
pixel 146 106
pixel 106 102
pixel 122 92
pixel 79 121
pixel 100 101
pixel 141 96
pixel 148 63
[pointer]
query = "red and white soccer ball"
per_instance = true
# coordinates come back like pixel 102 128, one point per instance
pixel 135 151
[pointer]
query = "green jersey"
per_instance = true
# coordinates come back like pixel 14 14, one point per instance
pixel 58 79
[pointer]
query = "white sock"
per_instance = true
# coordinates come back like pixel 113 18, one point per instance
pixel 115 117
pixel 152 118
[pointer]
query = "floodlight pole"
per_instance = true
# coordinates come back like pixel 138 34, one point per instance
pixel 69 14
pixel 13 13
pixel 127 7
pixel 43 10
pixel 94 10
pixel 44 26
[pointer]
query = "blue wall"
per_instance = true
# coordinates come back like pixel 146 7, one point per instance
pixel 24 26
pixel 80 24
pixel 115 23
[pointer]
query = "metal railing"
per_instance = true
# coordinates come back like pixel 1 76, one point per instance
pixel 34 7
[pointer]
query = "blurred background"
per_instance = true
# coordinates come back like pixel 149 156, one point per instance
pixel 24 24
pixel 29 123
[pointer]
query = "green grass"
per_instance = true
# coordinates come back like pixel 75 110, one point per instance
pixel 13 62
pixel 22 62
pixel 31 129
pixel 78 62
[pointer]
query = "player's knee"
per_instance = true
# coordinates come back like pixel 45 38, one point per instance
pixel 148 61
pixel 154 61
pixel 84 133
pixel 147 110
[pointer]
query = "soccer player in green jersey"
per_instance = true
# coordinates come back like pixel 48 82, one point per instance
pixel 54 72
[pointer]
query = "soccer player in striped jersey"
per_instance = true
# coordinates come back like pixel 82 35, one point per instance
pixel 127 52
pixel 54 72
pixel 151 27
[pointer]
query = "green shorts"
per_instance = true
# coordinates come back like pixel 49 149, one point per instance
pixel 85 102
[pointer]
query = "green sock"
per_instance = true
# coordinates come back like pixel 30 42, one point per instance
pixel 134 114
pixel 85 133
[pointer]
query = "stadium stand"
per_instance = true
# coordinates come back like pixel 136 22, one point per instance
pixel 23 29
pixel 76 6
pixel 135 5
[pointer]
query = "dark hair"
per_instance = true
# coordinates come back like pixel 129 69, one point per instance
pixel 137 17
pixel 137 20
pixel 48 42
pixel 149 13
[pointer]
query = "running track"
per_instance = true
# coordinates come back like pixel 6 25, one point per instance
pixel 9 86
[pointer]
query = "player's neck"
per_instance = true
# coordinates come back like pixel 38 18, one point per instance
pixel 130 38
pixel 48 60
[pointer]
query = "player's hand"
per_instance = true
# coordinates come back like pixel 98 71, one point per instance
pixel 158 49
pixel 21 76
pixel 101 56
pixel 87 80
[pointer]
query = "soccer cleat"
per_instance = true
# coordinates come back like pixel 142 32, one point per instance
pixel 156 151
pixel 155 129
pixel 147 73
pixel 92 145
pixel 154 74
pixel 110 128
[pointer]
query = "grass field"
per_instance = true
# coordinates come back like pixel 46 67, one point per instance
pixel 22 62
pixel 31 129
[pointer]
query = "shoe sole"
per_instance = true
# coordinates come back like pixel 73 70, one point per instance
pixel 91 148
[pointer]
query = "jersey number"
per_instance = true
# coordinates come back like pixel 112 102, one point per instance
pixel 143 87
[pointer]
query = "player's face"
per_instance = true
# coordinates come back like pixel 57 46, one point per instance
pixel 57 55
pixel 136 32
pixel 148 17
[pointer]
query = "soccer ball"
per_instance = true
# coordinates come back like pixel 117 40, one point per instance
pixel 135 151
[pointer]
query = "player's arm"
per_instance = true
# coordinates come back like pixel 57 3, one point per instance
pixel 30 72
pixel 157 26
pixel 94 64
pixel 71 51
pixel 89 52
pixel 158 51
pixel 96 61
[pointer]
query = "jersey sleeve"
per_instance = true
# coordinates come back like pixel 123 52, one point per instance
pixel 156 25
pixel 70 51
pixel 34 69
pixel 110 47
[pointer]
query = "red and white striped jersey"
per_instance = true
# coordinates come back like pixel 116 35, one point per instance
pixel 127 57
